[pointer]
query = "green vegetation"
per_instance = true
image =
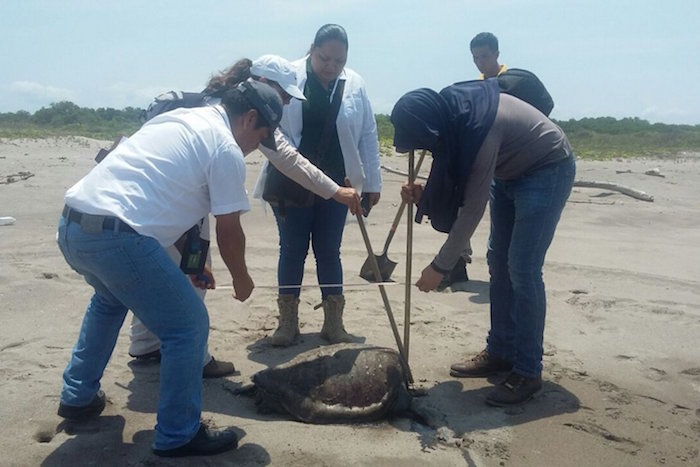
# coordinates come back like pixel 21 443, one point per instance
pixel 592 138
pixel 607 138
pixel 67 119
pixel 385 129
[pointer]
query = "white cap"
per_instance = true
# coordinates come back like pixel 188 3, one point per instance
pixel 279 70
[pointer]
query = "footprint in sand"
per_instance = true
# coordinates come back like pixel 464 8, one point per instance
pixel 691 372
pixel 45 432
pixel 614 393
pixel 623 444
pixel 695 426
pixel 656 374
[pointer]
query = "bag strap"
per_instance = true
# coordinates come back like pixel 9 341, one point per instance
pixel 330 120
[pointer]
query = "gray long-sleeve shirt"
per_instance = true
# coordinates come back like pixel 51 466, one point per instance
pixel 521 139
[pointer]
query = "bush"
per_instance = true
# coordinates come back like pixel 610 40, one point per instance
pixel 601 137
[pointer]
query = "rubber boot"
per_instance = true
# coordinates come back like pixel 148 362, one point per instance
pixel 333 330
pixel 288 330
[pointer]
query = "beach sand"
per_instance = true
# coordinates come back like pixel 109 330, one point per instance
pixel 621 365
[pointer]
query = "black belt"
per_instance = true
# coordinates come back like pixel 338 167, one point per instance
pixel 91 221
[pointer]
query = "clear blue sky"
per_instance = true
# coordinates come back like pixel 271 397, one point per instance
pixel 620 58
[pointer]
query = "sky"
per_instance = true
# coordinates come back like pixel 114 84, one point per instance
pixel 618 58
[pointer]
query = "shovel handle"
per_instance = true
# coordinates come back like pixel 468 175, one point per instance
pixel 409 260
pixel 399 214
pixel 378 277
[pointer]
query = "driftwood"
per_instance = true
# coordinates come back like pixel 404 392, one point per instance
pixel 580 183
pixel 615 187
pixel 12 178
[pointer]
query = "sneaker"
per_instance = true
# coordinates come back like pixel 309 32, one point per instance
pixel 155 355
pixel 480 365
pixel 75 413
pixel 206 442
pixel 217 369
pixel 515 390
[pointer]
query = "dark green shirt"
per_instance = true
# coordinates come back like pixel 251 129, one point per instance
pixel 315 110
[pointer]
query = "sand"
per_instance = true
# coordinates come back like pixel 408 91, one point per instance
pixel 622 366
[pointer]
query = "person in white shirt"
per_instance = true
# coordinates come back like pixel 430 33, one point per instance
pixel 278 72
pixel 117 221
pixel 335 129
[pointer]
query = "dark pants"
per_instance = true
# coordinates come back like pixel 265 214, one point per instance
pixel 323 225
pixel 524 216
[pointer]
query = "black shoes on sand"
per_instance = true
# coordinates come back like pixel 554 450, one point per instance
pixel 456 276
pixel 75 413
pixel 206 442
pixel 514 390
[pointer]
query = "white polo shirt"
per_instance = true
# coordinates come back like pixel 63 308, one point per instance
pixel 174 171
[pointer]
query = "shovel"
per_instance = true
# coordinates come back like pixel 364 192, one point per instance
pixel 386 266
pixel 387 306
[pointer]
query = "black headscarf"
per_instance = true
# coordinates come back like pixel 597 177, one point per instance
pixel 452 125
pixel 421 121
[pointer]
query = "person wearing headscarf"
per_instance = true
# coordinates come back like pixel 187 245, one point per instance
pixel 491 147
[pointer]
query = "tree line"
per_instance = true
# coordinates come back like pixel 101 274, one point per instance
pixel 601 137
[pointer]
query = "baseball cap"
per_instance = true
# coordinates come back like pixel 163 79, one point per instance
pixel 267 102
pixel 279 70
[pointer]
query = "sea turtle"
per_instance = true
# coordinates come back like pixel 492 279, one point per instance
pixel 342 383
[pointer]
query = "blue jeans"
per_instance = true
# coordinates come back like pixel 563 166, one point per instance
pixel 131 271
pixel 323 224
pixel 524 216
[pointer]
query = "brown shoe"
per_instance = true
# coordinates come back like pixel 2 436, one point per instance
pixel 514 390
pixel 480 365
pixel 217 369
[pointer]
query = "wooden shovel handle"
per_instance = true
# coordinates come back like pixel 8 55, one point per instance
pixel 399 214
pixel 387 306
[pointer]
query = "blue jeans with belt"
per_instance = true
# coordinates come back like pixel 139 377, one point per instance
pixel 131 271
pixel 524 216
pixel 323 224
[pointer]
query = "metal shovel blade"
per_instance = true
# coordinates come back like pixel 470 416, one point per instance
pixel 386 267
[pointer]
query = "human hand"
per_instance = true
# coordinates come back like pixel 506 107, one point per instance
pixel 243 286
pixel 204 280
pixel 349 197
pixel 429 279
pixel 411 192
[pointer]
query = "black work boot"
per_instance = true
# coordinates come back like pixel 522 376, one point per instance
pixel 457 275
pixel 514 390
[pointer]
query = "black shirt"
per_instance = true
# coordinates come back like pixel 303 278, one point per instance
pixel 315 110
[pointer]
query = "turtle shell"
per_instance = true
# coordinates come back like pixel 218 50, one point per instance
pixel 343 383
